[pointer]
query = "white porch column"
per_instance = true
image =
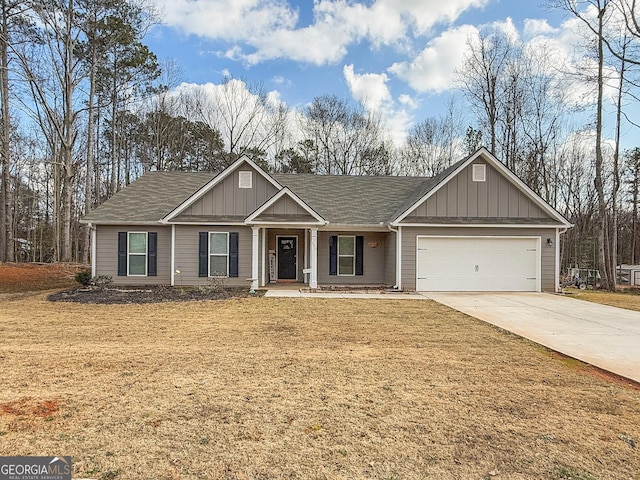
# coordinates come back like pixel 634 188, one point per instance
pixel 313 279
pixel 306 255
pixel 173 255
pixel 254 256
pixel 265 254
pixel 399 259
pixel 557 288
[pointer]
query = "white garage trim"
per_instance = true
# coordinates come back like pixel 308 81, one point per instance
pixel 527 265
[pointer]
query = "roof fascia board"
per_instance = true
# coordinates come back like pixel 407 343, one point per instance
pixel 494 162
pixel 284 224
pixel 214 181
pixel 216 224
pixel 122 222
pixel 284 191
pixel 333 227
pixel 481 225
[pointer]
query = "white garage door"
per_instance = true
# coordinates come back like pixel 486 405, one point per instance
pixel 478 264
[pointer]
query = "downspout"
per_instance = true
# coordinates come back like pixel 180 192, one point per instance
pixel 398 232
pixel 94 249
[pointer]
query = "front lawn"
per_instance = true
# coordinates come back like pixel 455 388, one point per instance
pixel 274 388
pixel 622 299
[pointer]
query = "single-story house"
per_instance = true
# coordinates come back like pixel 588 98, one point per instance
pixel 474 227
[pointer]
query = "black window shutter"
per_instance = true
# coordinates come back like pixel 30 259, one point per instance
pixel 122 254
pixel 203 255
pixel 233 254
pixel 152 254
pixel 333 255
pixel 359 255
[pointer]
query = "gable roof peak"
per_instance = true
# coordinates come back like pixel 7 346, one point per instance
pixel 216 180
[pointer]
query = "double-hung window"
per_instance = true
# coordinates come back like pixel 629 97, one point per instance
pixel 346 255
pixel 218 254
pixel 137 253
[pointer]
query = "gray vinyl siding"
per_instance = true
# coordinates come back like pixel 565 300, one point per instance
pixel 461 197
pixel 186 256
pixel 373 261
pixel 227 199
pixel 107 254
pixel 390 258
pixel 547 254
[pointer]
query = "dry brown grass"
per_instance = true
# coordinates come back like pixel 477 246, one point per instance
pixel 302 388
pixel 622 299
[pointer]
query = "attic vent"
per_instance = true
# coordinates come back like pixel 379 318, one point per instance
pixel 245 180
pixel 479 173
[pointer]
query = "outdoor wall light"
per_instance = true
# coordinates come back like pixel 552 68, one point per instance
pixel 549 242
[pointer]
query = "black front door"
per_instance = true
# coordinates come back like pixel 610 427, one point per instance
pixel 287 266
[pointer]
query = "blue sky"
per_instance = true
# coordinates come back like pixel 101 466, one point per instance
pixel 395 56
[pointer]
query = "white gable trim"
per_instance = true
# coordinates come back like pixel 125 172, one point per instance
pixel 494 162
pixel 273 200
pixel 214 181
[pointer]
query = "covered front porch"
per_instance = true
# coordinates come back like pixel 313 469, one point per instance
pixel 310 256
pixel 284 255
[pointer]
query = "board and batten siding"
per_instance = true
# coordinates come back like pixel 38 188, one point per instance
pixel 547 253
pixel 227 199
pixel 461 197
pixel 107 254
pixel 373 260
pixel 285 206
pixel 186 256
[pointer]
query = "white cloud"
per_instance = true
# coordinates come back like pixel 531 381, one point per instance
pixel 370 89
pixel 433 69
pixel 270 28
pixel 408 101
pixel 534 27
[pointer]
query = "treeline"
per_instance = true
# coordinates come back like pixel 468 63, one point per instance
pixel 87 108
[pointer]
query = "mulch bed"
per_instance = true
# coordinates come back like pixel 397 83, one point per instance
pixel 149 294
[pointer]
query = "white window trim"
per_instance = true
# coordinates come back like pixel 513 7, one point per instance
pixel 145 254
pixel 245 179
pixel 353 256
pixel 209 255
pixel 479 172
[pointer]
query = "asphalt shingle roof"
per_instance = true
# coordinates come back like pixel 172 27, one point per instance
pixel 352 200
pixel 356 200
pixel 149 198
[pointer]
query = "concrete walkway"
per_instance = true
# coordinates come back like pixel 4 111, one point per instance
pixel 604 336
pixel 383 296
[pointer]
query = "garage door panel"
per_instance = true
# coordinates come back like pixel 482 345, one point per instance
pixel 477 264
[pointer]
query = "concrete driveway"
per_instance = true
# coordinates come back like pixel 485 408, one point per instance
pixel 606 337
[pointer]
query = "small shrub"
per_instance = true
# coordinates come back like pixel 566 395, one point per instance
pixel 83 277
pixel 101 282
pixel 217 283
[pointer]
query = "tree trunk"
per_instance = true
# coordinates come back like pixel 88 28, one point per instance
pixel 613 262
pixel 88 185
pixel 607 281
pixel 7 250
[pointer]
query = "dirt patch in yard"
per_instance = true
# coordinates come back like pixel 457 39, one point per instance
pixel 31 277
pixel 276 388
